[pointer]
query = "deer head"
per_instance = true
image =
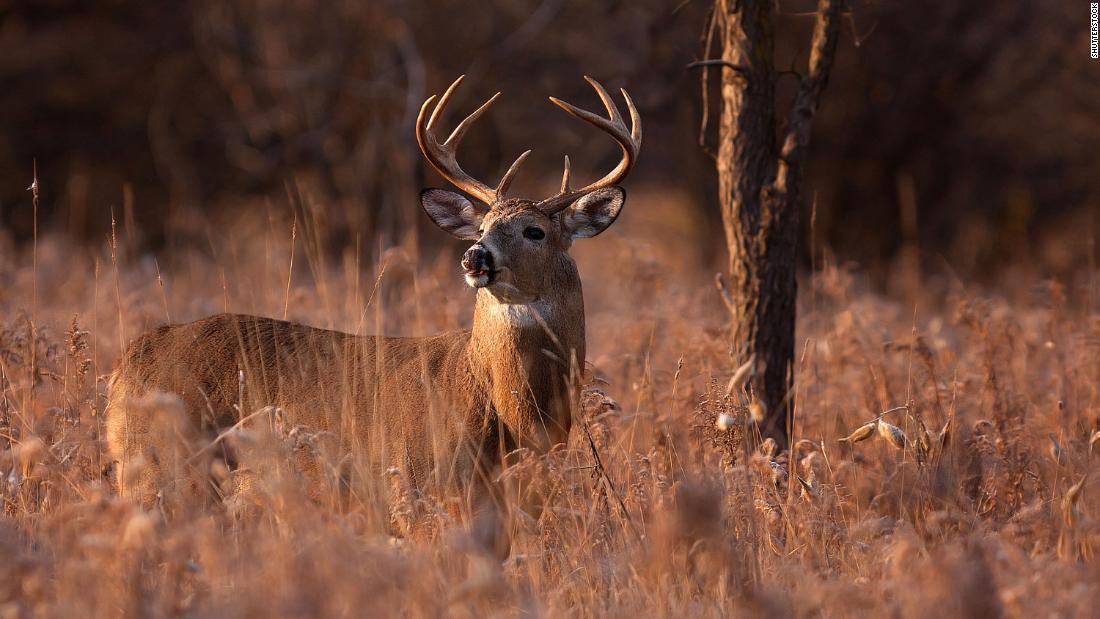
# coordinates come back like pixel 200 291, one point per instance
pixel 518 242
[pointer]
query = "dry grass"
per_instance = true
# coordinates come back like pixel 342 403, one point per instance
pixel 975 500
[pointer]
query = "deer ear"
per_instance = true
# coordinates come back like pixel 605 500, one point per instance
pixel 593 212
pixel 452 212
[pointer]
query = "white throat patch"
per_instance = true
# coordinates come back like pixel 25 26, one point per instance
pixel 521 314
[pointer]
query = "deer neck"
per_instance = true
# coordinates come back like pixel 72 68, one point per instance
pixel 523 355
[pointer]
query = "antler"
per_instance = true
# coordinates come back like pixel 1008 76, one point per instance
pixel 630 141
pixel 442 156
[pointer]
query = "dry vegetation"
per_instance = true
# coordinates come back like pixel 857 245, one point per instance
pixel 676 518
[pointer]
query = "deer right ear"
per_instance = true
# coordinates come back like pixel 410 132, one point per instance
pixel 593 212
pixel 452 212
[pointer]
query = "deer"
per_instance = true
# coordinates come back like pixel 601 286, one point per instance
pixel 442 409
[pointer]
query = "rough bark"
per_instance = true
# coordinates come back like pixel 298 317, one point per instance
pixel 759 188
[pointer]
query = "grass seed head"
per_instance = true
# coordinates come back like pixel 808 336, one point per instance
pixel 861 433
pixel 757 411
pixel 724 422
pixel 769 448
pixel 925 440
pixel 945 434
pixel 892 434
pixel 811 462
pixel 810 488
pixel 29 451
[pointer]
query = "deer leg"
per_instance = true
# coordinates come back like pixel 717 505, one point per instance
pixel 153 442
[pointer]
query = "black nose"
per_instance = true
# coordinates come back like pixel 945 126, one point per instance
pixel 477 258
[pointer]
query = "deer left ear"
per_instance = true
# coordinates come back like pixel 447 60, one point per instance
pixel 452 212
pixel 593 212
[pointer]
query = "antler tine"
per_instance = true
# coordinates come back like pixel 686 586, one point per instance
pixel 635 118
pixel 629 140
pixel 605 98
pixel 585 115
pixel 442 157
pixel 444 100
pixel 506 180
pixel 456 136
pixel 565 177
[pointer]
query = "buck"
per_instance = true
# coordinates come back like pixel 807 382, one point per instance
pixel 440 409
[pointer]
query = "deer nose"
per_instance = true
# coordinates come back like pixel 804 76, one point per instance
pixel 477 258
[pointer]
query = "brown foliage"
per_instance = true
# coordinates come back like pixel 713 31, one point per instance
pixel 670 525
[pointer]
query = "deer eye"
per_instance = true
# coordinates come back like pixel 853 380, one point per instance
pixel 533 233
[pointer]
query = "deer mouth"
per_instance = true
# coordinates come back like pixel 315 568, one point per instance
pixel 480 278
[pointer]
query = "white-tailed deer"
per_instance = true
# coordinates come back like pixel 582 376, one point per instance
pixel 440 409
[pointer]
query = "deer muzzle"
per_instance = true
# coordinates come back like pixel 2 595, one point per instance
pixel 479 265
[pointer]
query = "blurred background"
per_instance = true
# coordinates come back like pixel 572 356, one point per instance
pixel 965 133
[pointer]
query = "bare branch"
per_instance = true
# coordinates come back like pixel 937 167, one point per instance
pixel 822 53
pixel 704 81
pixel 718 62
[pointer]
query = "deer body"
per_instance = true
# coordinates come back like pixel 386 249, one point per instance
pixel 441 409
pixel 432 407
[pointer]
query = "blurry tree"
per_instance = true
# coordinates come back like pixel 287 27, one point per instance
pixel 968 129
pixel 759 178
pixel 328 105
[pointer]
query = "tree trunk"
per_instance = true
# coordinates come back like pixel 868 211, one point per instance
pixel 758 182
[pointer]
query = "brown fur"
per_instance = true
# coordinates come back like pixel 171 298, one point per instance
pixel 442 409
